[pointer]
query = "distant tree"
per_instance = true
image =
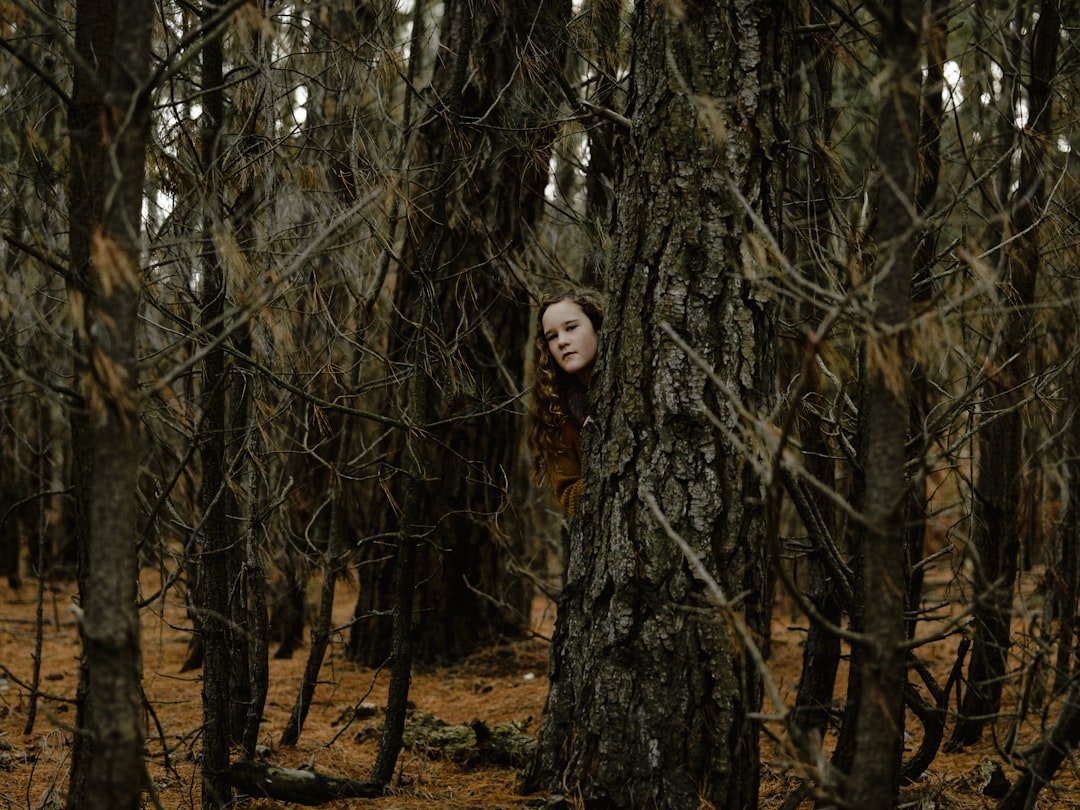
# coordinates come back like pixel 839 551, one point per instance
pixel 218 562
pixel 604 57
pixel 997 490
pixel 339 101
pixel 652 693
pixel 814 181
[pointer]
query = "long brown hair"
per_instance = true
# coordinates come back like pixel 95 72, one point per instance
pixel 548 410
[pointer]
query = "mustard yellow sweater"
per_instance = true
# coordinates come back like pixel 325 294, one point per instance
pixel 564 468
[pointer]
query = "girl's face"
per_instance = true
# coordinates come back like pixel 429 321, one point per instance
pixel 571 338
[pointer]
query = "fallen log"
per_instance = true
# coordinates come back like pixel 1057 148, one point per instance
pixel 263 780
pixel 473 744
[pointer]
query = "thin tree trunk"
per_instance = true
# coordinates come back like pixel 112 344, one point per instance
pixel 320 637
pixel 256 623
pixel 107 767
pixel 416 520
pixel 1044 758
pixel 926 189
pixel 821 650
pixel 413 529
pixel 215 573
pixel 320 634
pixel 997 490
pixel 41 524
pixel 874 776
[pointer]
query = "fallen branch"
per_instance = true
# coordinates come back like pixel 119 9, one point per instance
pixel 302 787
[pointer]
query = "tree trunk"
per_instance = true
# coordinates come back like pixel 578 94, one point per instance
pixel 415 520
pixel 875 770
pixel 1042 760
pixel 1063 578
pixel 217 567
pixel 106 200
pixel 323 628
pixel 651 692
pixel 923 290
pixel 411 532
pixel 997 489
pixel 482 320
pixel 821 650
pixel 605 20
pixel 338 107
pixel 95 23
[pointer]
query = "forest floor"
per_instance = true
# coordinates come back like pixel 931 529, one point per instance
pixel 499 685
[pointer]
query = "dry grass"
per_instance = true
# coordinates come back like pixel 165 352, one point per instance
pixel 503 684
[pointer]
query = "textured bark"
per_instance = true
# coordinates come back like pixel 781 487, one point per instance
pixel 651 691
pixel 997 528
pixel 106 200
pixel 878 737
pixel 482 320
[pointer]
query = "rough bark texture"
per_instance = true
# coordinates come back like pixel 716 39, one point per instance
pixel 650 689
pixel 482 321
pixel 878 731
pixel 107 766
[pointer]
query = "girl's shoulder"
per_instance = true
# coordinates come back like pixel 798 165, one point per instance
pixel 570 434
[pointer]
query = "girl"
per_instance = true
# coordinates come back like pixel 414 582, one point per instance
pixel 567 339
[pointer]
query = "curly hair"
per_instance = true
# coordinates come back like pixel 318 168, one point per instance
pixel 548 410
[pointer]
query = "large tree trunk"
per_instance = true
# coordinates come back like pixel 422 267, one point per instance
pixel 652 692
pixel 106 212
pixel 996 522
pixel 482 319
